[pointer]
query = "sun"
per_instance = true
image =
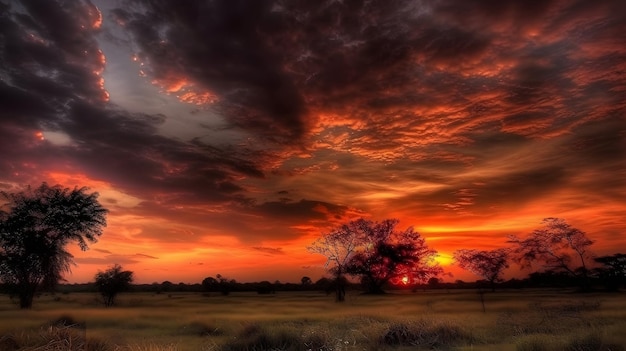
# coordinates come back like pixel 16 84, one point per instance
pixel 405 280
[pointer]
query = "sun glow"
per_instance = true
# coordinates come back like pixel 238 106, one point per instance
pixel 444 259
pixel 405 280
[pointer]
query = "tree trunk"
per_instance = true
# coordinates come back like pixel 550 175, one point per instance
pixel 26 298
pixel 340 288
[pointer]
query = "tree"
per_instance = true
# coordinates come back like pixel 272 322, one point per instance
pixel 306 281
pixel 389 254
pixel 613 272
pixel 487 264
pixel 111 282
pixel 338 246
pixel 377 253
pixel 558 246
pixel 35 227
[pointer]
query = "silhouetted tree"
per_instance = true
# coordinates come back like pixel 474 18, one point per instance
pixel 210 284
pixel 613 270
pixel 387 253
pixel 225 286
pixel 35 227
pixel 111 282
pixel 433 282
pixel 306 281
pixel 558 246
pixel 489 265
pixel 338 246
pixel 167 286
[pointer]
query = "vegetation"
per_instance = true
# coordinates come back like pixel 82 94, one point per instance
pixel 559 247
pixel 339 245
pixel 613 270
pixel 377 253
pixel 488 264
pixel 429 320
pixel 36 225
pixel 387 254
pixel 111 282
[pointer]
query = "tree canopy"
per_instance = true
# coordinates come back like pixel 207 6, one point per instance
pixel 111 282
pixel 558 247
pixel 387 254
pixel 377 253
pixel 489 264
pixel 36 225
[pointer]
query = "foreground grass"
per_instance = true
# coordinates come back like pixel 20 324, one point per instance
pixel 527 320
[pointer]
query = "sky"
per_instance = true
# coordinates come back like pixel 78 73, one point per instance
pixel 226 136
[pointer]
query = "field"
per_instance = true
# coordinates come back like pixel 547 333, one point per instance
pixel 513 320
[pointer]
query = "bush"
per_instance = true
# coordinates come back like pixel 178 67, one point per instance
pixel 422 334
pixel 200 329
pixel 66 321
pixel 590 342
pixel 255 338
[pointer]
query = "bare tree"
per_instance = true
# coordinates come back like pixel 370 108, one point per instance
pixel 36 225
pixel 489 265
pixel 613 270
pixel 339 245
pixel 558 247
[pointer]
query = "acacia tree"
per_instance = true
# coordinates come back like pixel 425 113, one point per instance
pixel 35 227
pixel 111 282
pixel 487 264
pixel 613 270
pixel 558 247
pixel 339 246
pixel 389 254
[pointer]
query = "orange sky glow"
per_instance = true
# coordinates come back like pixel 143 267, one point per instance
pixel 225 139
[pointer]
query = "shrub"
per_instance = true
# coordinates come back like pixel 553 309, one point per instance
pixel 201 329
pixel 590 342
pixel 66 321
pixel 422 334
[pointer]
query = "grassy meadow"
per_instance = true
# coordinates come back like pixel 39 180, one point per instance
pixel 427 320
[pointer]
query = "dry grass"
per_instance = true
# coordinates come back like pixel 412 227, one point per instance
pixel 529 320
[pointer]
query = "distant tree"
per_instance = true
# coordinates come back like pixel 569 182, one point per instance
pixel 339 245
pixel 558 247
pixel 388 254
pixel 434 282
pixel 489 265
pixel 613 270
pixel 225 286
pixel 210 284
pixel 111 282
pixel 167 286
pixel 36 225
pixel 306 281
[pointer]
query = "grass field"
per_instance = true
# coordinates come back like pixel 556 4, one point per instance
pixel 519 320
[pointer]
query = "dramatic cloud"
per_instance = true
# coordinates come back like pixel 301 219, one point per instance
pixel 230 133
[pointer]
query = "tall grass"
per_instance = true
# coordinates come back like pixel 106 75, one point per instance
pixel 532 320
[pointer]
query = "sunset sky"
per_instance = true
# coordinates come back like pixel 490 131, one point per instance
pixel 225 136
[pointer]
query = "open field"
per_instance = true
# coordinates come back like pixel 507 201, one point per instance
pixel 514 320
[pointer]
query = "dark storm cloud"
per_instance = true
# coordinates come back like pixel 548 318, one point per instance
pixel 432 89
pixel 221 45
pixel 51 66
pixel 402 74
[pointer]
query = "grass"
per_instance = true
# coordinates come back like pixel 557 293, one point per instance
pixel 527 320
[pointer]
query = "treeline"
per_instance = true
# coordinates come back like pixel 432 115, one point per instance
pixel 325 285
